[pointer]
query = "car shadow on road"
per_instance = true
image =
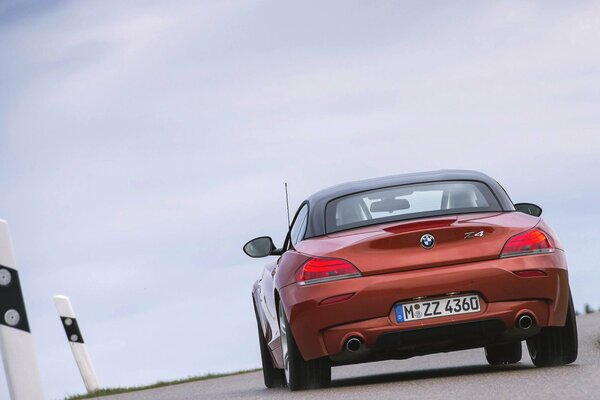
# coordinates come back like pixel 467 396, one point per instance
pixel 428 374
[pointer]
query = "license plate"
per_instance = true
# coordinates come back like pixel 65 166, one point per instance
pixel 437 308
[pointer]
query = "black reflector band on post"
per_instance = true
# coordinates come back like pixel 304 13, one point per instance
pixel 72 330
pixel 12 306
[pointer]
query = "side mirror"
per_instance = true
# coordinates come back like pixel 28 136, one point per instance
pixel 261 247
pixel 528 208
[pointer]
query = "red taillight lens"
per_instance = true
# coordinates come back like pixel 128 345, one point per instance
pixel 534 241
pixel 317 270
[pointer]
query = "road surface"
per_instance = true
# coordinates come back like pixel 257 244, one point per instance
pixel 458 375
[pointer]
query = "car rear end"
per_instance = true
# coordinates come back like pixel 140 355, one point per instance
pixel 425 280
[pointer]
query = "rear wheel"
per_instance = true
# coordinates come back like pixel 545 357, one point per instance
pixel 272 376
pixel 300 374
pixel 555 345
pixel 509 353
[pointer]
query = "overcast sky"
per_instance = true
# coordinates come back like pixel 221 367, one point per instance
pixel 142 143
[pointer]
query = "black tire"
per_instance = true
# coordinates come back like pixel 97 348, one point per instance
pixel 508 353
pixel 301 374
pixel 273 377
pixel 555 345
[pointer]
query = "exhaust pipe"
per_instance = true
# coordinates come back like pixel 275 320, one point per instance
pixel 353 344
pixel 525 322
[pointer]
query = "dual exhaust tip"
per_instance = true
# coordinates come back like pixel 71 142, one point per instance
pixel 353 344
pixel 525 322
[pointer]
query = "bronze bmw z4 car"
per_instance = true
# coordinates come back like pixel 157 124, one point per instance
pixel 407 265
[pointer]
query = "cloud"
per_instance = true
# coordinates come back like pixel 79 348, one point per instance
pixel 142 144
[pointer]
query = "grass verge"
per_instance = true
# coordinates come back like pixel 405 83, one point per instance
pixel 111 391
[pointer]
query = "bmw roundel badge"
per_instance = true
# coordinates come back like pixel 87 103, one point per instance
pixel 427 241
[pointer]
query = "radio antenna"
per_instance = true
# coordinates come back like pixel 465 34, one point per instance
pixel 287 204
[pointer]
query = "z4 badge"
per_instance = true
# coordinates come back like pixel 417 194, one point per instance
pixel 471 235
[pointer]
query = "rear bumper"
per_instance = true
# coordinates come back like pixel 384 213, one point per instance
pixel 322 330
pixel 449 337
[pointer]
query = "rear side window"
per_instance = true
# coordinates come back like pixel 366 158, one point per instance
pixel 408 202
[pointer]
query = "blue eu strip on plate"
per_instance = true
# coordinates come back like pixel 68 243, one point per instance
pixel 399 313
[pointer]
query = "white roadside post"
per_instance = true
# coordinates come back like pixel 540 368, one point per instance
pixel 16 343
pixel 80 352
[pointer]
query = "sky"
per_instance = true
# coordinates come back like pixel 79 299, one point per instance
pixel 142 143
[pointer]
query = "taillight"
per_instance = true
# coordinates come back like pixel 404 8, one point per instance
pixel 317 270
pixel 534 241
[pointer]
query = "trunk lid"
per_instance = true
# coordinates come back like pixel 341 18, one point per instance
pixel 394 247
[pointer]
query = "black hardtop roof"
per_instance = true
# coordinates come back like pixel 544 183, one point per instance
pixel 318 201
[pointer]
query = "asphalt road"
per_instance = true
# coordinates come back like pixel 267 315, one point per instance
pixel 458 375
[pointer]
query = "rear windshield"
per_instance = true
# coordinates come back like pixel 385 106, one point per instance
pixel 408 202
